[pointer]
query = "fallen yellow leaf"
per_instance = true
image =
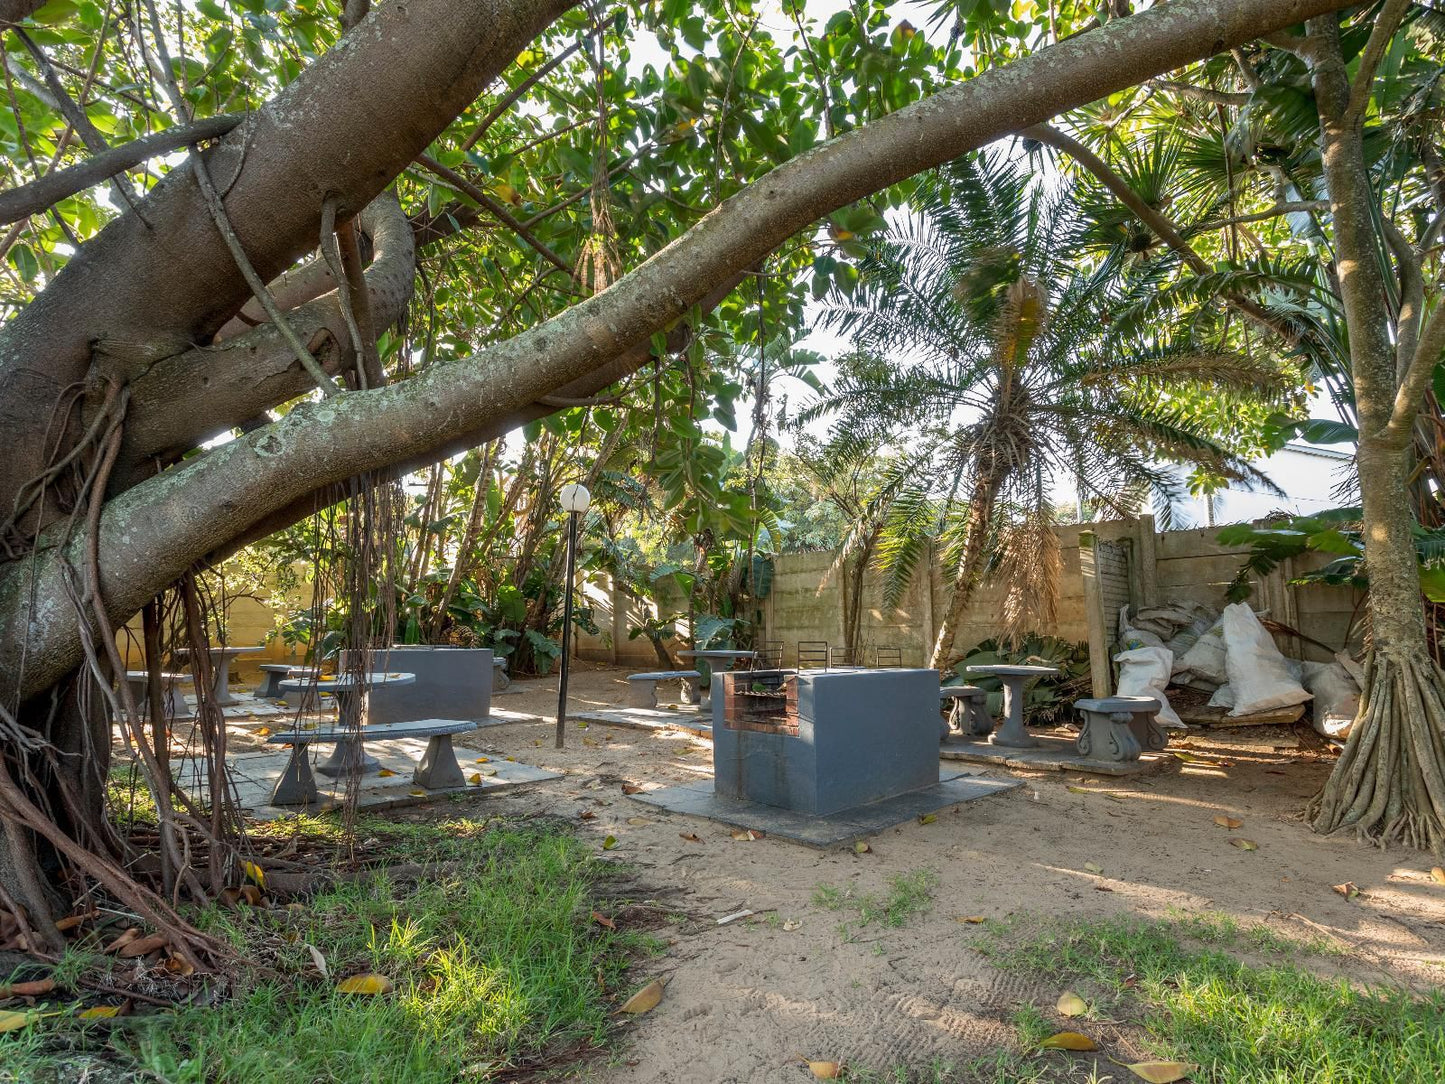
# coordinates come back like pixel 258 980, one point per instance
pixel 100 1012
pixel 1349 889
pixel 927 818
pixel 13 1021
pixel 255 872
pixel 417 792
pixel 1228 822
pixel 370 985
pixel 1069 1040
pixel 1244 844
pixel 972 920
pixel 1437 875
pixel 747 835
pixel 645 1000
pixel 475 779
pixel 1080 790
pixel 481 760
pixel 1093 867
pixel 385 773
pixel 638 822
pixel 1071 1004
pixel 262 731
pixel 862 847
pixel 609 843
pixel 1161 1072
pixel 826 1070
pixel 631 788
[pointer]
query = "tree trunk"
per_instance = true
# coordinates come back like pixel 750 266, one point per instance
pixel 970 565
pixel 1389 784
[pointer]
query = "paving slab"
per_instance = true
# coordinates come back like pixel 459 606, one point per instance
pixel 698 800
pixel 254 776
pixel 1055 753
pixel 691 720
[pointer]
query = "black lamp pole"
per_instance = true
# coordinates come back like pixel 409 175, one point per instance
pixel 567 624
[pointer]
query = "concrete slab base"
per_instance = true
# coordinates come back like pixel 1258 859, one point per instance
pixel 1055 753
pixel 698 800
pixel 687 719
pixel 255 775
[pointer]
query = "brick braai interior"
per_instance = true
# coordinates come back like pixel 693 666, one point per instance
pixel 763 701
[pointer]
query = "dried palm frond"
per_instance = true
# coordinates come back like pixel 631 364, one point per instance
pixel 1028 567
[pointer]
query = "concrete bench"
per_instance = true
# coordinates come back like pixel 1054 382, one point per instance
pixel 500 678
pixel 1119 727
pixel 968 714
pixel 438 768
pixel 642 688
pixel 273 673
pixel 173 703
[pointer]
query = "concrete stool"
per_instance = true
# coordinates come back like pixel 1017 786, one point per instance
pixel 172 701
pixel 500 678
pixel 273 673
pixel 642 688
pixel 968 714
pixel 1119 727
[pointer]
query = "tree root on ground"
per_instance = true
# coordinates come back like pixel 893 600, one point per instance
pixel 1389 784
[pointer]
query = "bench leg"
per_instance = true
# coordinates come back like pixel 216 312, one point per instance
pixel 349 756
pixel 642 694
pixel 438 768
pixel 268 689
pixel 297 786
pixel 691 690
pixel 980 723
pixel 500 678
pixel 1107 737
pixel 1147 731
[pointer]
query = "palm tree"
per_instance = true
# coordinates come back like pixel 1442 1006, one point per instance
pixel 1004 372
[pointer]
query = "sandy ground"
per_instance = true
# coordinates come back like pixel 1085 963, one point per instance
pixel 744 999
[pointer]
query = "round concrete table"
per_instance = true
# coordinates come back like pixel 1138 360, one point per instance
pixel 730 656
pixel 221 662
pixel 350 693
pixel 1011 731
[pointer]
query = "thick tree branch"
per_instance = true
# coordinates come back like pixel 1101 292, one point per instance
pixel 1386 23
pixel 1286 208
pixel 46 191
pixel 154 531
pixel 226 384
pixel 1429 353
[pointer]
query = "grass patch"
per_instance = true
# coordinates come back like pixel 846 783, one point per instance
pixel 1276 1024
pixel 495 961
pixel 908 894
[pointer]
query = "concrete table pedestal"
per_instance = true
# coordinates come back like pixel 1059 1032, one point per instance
pixel 350 754
pixel 221 664
pixel 1011 731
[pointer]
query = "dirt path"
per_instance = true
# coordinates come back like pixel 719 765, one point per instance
pixel 743 998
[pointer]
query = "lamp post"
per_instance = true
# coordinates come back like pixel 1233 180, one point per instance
pixel 575 501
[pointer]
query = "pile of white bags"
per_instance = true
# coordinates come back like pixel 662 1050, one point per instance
pixel 1233 657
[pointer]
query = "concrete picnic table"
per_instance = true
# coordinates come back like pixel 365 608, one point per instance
pixel 1011 731
pixel 350 693
pixel 221 660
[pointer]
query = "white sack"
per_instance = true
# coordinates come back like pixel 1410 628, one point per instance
pixel 1205 661
pixel 1337 698
pixel 1257 671
pixel 1223 697
pixel 1144 671
pixel 1131 638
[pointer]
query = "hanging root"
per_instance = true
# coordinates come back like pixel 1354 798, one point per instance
pixel 1389 784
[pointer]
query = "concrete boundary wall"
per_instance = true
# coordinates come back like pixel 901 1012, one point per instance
pixel 1103 566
